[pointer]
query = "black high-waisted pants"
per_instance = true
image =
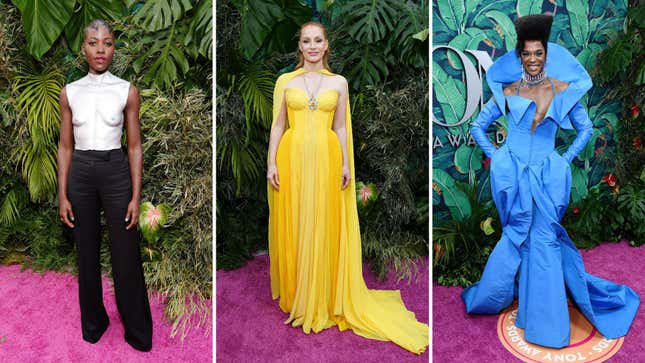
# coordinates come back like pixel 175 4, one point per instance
pixel 102 179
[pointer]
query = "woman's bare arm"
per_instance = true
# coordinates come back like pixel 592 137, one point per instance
pixel 135 154
pixel 65 149
pixel 277 130
pixel 340 129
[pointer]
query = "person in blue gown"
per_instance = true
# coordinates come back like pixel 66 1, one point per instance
pixel 539 86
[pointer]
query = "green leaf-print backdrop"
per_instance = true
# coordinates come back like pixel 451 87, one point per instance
pixel 581 26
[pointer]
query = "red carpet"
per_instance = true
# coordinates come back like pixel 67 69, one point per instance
pixel 250 324
pixel 458 337
pixel 40 322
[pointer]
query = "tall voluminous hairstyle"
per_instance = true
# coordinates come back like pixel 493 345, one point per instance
pixel 301 57
pixel 532 27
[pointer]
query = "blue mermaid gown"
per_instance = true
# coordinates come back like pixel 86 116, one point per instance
pixel 535 261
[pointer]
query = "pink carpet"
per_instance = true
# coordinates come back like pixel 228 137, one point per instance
pixel 40 322
pixel 250 324
pixel 458 337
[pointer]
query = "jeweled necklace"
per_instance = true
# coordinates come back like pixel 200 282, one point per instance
pixel 312 103
pixel 534 80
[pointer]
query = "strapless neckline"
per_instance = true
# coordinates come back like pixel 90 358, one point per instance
pixel 305 92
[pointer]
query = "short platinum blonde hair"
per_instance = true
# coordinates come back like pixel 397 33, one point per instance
pixel 95 25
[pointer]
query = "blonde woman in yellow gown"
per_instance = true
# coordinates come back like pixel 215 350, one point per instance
pixel 314 235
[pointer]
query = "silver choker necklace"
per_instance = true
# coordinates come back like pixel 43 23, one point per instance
pixel 534 80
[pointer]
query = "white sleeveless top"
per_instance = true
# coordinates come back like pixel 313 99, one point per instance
pixel 97 102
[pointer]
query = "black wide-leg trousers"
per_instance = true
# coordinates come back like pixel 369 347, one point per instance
pixel 101 179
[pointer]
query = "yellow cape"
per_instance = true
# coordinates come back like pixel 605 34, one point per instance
pixel 375 314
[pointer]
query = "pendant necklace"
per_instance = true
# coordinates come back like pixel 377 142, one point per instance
pixel 312 103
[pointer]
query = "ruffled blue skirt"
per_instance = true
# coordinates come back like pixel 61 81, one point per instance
pixel 536 262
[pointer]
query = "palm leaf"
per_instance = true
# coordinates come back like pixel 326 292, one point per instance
pixel 38 100
pixel 10 207
pixel 256 88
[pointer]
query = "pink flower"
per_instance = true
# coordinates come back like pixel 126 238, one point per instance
pixel 576 210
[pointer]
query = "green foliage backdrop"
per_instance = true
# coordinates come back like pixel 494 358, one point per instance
pixel 583 27
pixel 163 47
pixel 381 47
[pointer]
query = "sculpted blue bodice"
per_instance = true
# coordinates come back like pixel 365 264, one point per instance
pixel 564 110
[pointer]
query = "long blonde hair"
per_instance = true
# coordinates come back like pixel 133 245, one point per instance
pixel 301 57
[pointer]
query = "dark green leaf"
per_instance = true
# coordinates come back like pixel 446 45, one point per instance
pixel 90 10
pixel 43 21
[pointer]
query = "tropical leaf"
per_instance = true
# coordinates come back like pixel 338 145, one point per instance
pixel 422 35
pixel 87 11
pixel 471 5
pixel 261 18
pixel 256 87
pixel 43 22
pixel 589 150
pixel 452 13
pixel 640 75
pixel 560 24
pixel 371 20
pixel 478 17
pixel 152 219
pixel 408 36
pixel 469 39
pixel 449 98
pixel 468 158
pixel 578 183
pixel 10 207
pixel 528 7
pixel 483 187
pixel 455 199
pixel 167 50
pixel 244 159
pixel 506 28
pixel 587 56
pixel 38 99
pixel 201 29
pixel 637 15
pixel 442 157
pixel 367 66
pixel 612 60
pixel 160 14
pixel 598 7
pixel 578 13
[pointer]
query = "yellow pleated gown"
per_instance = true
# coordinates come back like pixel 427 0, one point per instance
pixel 314 235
